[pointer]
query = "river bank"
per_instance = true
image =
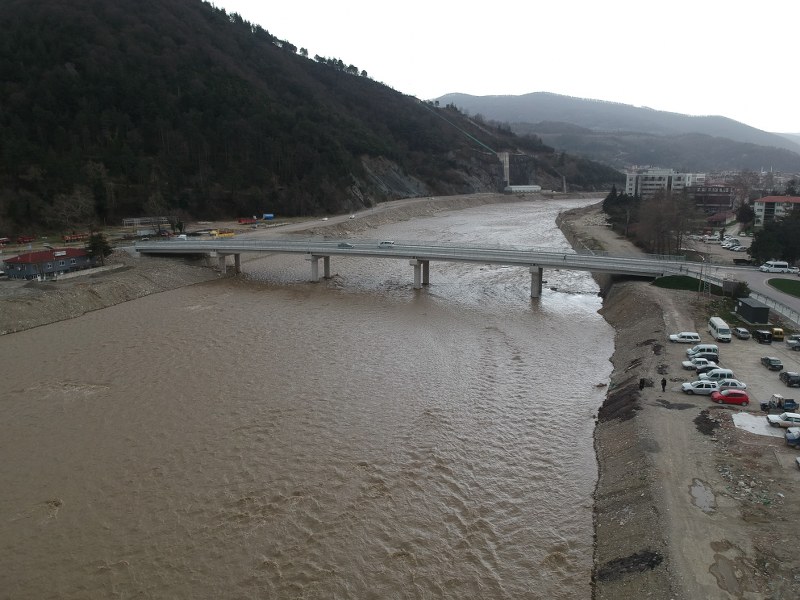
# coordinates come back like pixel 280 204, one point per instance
pixel 687 505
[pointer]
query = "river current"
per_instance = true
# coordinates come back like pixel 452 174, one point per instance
pixel 266 437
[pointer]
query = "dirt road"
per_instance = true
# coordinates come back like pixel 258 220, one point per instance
pixel 688 505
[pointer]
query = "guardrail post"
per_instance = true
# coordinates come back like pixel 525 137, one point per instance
pixel 536 281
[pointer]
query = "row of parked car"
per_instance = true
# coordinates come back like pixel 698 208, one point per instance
pixel 715 381
pixel 721 385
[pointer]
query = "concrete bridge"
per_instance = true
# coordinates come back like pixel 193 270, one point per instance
pixel 420 255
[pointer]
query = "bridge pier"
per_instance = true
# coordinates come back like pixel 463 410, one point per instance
pixel 417 273
pixel 326 266
pixel 237 263
pixel 426 272
pixel 536 281
pixel 221 262
pixel 314 268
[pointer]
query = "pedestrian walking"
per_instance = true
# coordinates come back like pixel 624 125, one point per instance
pixel 663 384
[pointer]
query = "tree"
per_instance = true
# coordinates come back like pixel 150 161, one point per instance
pixel 99 246
pixel 745 214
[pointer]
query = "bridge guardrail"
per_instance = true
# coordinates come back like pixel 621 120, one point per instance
pixel 785 311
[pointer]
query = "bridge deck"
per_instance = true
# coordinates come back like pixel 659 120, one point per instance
pixel 649 266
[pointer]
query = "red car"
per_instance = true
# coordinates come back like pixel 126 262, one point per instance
pixel 731 396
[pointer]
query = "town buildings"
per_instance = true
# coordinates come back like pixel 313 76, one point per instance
pixel 708 197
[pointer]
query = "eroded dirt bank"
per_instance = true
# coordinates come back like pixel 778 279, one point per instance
pixel 687 505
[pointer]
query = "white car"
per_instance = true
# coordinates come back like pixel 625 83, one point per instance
pixel 705 388
pixel 732 384
pixel 685 337
pixel 694 363
pixel 784 420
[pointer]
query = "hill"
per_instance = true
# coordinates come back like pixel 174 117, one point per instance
pixel 119 108
pixel 621 135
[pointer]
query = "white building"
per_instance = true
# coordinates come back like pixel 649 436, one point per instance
pixel 646 182
pixel 773 208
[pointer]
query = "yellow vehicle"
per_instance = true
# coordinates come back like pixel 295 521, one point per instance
pixel 777 334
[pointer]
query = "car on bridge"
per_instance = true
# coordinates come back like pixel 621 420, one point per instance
pixel 344 245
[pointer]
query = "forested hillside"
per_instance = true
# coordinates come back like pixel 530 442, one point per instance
pixel 115 108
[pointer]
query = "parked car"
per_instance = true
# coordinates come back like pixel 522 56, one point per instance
pixel 731 397
pixel 696 362
pixel 717 374
pixel 741 333
pixel 778 402
pixel 790 378
pixel 794 270
pixel 707 369
pixel 793 341
pixel 772 363
pixel 777 334
pixel 732 384
pixel 784 420
pixel 685 337
pixel 762 336
pixel 792 436
pixel 705 388
pixel 699 349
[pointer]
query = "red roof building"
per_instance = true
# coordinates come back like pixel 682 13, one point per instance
pixel 47 263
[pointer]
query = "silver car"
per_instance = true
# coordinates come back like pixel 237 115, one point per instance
pixel 704 388
pixel 732 384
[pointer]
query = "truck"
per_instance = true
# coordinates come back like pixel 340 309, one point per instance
pixel 779 403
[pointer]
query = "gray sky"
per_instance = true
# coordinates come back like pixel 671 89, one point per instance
pixel 701 57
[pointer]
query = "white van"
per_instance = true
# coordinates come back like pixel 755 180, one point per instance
pixel 717 375
pixel 719 329
pixel 703 348
pixel 774 266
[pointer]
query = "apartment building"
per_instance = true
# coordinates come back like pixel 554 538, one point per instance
pixel 646 182
pixel 773 208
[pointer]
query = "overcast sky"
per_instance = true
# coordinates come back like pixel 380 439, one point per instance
pixel 700 57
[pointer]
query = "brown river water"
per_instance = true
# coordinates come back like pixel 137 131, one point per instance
pixel 265 437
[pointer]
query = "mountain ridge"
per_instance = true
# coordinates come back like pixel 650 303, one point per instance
pixel 526 113
pixel 119 108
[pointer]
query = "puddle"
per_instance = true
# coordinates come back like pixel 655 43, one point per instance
pixel 702 496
